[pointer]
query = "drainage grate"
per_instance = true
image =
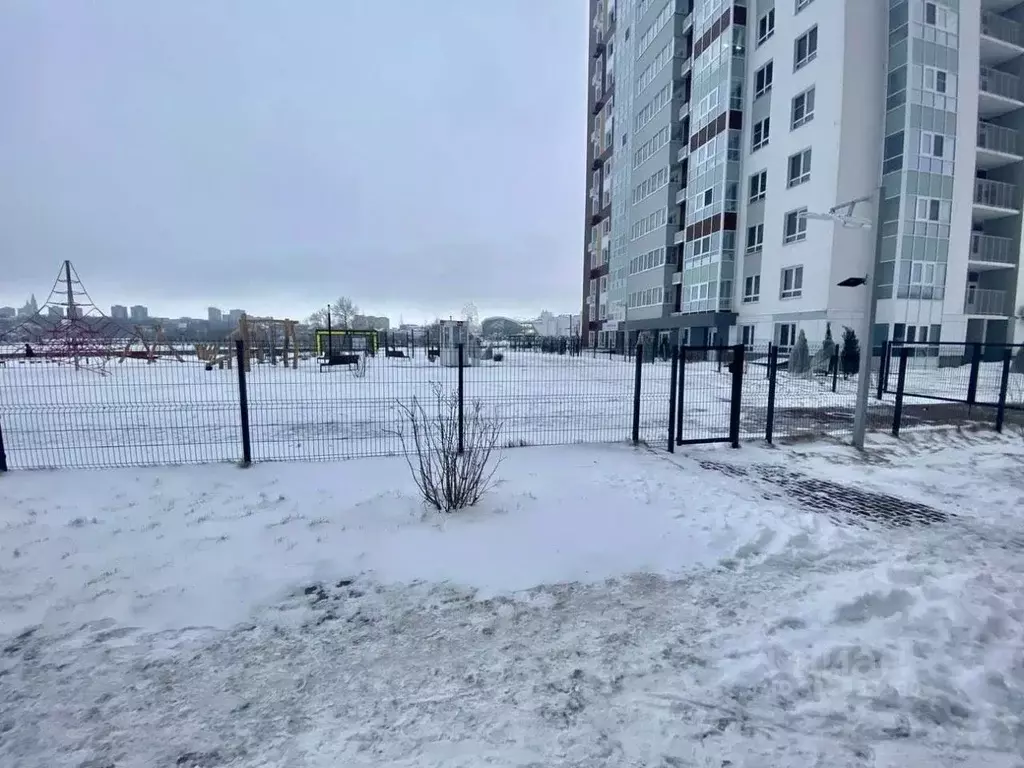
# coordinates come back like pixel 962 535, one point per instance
pixel 831 497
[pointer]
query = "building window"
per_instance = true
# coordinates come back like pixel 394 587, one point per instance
pixel 747 336
pixel 785 335
pixel 760 134
pixel 706 198
pixel 933 144
pixel 935 79
pixel 805 48
pixel 755 238
pixel 933 209
pixel 799 168
pixel 751 289
pixel 792 284
pixel 766 26
pixel 796 226
pixel 803 108
pixel 763 80
pixel 604 283
pixel 758 186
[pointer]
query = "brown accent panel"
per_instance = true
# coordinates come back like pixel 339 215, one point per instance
pixel 733 119
pixel 712 224
pixel 713 33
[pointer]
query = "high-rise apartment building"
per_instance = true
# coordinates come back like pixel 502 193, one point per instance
pixel 139 313
pixel 119 312
pixel 715 124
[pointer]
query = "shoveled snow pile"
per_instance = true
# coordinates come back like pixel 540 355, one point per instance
pixel 606 606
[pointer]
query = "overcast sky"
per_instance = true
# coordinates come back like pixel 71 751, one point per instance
pixel 271 155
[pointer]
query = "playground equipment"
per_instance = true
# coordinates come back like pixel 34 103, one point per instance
pixel 69 329
pixel 264 339
pixel 150 349
pixel 336 340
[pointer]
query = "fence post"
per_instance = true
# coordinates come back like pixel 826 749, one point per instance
pixel 972 384
pixel 835 369
pixel 1004 385
pixel 901 381
pixel 3 451
pixel 243 402
pixel 462 392
pixel 672 393
pixel 638 374
pixel 681 392
pixel 773 363
pixel 737 394
pixel 767 369
pixel 883 369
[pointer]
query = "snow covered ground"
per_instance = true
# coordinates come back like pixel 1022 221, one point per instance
pixel 178 413
pixel 605 606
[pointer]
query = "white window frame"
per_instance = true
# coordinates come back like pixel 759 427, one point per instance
pixel 766 26
pixel 809 55
pixel 801 4
pixel 804 157
pixel 706 199
pixel 760 134
pixel 937 76
pixel 762 186
pixel 796 280
pixel 752 289
pixel 747 336
pixel 758 245
pixel 927 205
pixel 763 79
pixel 930 141
pixel 799 234
pixel 808 114
pixel 791 332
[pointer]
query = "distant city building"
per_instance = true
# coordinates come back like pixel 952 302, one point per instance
pixel 370 323
pixel 139 313
pixel 119 312
pixel 8 312
pixel 29 308
pixel 501 327
pixel 235 315
pixel 55 312
pixel 214 315
pixel 549 324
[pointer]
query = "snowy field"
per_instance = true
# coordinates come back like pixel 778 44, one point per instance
pixel 176 413
pixel 604 607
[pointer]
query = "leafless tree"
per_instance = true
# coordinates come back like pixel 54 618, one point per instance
pixel 447 479
pixel 343 312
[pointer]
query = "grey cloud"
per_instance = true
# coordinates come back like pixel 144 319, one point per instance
pixel 413 152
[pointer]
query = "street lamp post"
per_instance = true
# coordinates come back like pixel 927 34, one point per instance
pixel 843 215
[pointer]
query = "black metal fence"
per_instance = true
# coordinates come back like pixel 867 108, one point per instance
pixel 181 409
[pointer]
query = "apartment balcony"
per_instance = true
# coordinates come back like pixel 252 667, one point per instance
pixel 681 196
pixel 1002 39
pixel 979 301
pixel 991 252
pixel 679 237
pixel 994 200
pixel 998 93
pixel 997 146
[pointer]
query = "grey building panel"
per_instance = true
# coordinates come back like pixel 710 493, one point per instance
pixel 761 108
pixel 755 213
pixel 762 7
pixel 793 317
pixel 751 266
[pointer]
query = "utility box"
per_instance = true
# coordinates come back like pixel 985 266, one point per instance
pixel 454 333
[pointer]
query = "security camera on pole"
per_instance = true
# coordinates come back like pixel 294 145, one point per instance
pixel 843 214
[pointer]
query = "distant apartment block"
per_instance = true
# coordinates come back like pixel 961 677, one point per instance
pixel 235 315
pixel 139 313
pixel 119 312
pixel 55 312
pixel 7 313
pixel 549 324
pixel 214 315
pixel 713 125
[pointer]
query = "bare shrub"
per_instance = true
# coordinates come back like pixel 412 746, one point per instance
pixel 447 479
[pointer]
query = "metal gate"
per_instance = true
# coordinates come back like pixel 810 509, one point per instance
pixel 705 395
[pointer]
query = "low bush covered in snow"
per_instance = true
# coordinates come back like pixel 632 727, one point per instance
pixel 448 478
